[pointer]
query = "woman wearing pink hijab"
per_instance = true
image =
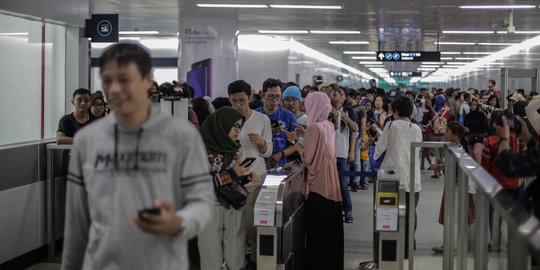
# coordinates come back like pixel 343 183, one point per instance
pixel 323 215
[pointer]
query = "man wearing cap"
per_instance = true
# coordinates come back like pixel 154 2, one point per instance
pixel 291 100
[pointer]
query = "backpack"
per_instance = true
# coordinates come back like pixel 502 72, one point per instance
pixel 439 123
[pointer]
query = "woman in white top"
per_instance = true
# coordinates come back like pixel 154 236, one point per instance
pixel 396 140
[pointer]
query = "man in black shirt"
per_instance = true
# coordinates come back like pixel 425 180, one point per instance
pixel 70 123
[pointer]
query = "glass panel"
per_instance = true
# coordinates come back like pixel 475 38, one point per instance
pixel 20 51
pixel 55 76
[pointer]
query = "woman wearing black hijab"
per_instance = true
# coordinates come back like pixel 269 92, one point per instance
pixel 475 128
pixel 224 237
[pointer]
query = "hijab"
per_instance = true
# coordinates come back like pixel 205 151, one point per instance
pixel 215 133
pixel 317 109
pixel 440 102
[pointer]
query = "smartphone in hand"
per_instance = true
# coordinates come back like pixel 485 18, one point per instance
pixel 247 162
pixel 149 211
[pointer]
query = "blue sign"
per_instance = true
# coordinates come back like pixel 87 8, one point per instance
pixel 412 56
pixel 104 28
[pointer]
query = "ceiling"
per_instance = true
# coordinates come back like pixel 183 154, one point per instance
pixel 386 24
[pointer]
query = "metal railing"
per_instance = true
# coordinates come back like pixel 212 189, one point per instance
pixel 523 227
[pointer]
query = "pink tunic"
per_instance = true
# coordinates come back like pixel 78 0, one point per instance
pixel 322 176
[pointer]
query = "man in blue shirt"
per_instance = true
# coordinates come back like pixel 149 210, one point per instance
pixel 281 120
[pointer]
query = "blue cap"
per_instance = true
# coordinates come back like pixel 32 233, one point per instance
pixel 292 91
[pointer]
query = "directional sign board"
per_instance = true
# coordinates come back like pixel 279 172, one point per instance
pixel 403 74
pixel 413 56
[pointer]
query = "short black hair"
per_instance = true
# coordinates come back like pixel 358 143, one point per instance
pixel 456 128
pixel 220 102
pixel 351 93
pixel 410 92
pixel 82 91
pixel 255 104
pixel 270 83
pixel 403 106
pixel 239 86
pixel 492 81
pixel 125 53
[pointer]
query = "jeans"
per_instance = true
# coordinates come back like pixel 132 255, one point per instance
pixel 365 168
pixel 356 166
pixel 343 165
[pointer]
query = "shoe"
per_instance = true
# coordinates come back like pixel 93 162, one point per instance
pixel 349 218
pixel 435 176
pixel 438 250
pixel 354 189
pixel 364 187
pixel 251 265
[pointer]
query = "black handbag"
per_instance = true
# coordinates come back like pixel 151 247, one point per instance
pixel 230 190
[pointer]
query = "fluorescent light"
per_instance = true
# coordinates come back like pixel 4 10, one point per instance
pixel 450 53
pixel 283 31
pixel 371 66
pixel 527 32
pixel 301 62
pixel 333 32
pixel 467 32
pixel 497 6
pixel 502 32
pixel 457 63
pixel 14 34
pixel 426 69
pixel 497 44
pixel 231 6
pixel 359 52
pixel 170 43
pixel 455 43
pixel 486 53
pixel 345 42
pixel 130 38
pixel 306 6
pixel 447 58
pixel 364 57
pixel 138 32
pixel 369 62
pixel 429 66
pixel 432 63
pixel 468 58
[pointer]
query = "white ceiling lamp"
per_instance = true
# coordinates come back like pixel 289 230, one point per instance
pixel 14 34
pixel 344 32
pixel 468 58
pixel 426 69
pixel 358 52
pixel 467 32
pixel 457 63
pixel 306 6
pixel 478 53
pixel 364 57
pixel 528 32
pixel 346 42
pixel 502 32
pixel 496 44
pixel 430 66
pixel 130 38
pixel 432 63
pixel 283 32
pixel 450 52
pixel 231 6
pixel 447 58
pixel 374 66
pixel 454 43
pixel 369 62
pixel 497 6
pixel 138 32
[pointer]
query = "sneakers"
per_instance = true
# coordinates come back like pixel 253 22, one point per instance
pixel 349 218
pixel 438 250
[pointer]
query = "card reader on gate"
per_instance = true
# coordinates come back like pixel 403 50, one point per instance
pixel 265 206
pixel 387 203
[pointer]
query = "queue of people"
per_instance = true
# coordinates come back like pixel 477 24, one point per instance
pixel 174 180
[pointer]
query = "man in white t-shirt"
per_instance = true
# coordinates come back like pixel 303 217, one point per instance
pixel 256 142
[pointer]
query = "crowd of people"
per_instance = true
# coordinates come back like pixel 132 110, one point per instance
pixel 201 177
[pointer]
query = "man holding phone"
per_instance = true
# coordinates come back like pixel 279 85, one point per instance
pixel 138 184
pixel 256 144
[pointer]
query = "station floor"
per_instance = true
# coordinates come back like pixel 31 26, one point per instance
pixel 359 239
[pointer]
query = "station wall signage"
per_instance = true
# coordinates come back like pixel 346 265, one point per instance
pixel 412 56
pixel 404 74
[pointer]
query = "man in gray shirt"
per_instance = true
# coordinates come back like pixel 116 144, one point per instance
pixel 134 159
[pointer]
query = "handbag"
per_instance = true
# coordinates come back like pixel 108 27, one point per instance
pixel 233 192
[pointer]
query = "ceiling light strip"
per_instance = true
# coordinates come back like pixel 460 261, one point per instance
pixel 497 6
pixel 306 7
pixel 283 32
pixel 467 32
pixel 231 6
pixel 345 42
pixel 346 32
pixel 359 52
pixel 138 32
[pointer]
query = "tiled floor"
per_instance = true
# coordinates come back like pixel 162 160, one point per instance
pixel 359 238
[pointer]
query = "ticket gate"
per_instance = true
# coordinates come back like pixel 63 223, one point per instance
pixel 388 223
pixel 279 217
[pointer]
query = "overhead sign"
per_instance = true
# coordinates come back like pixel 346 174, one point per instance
pixel 414 56
pixel 404 74
pixel 104 28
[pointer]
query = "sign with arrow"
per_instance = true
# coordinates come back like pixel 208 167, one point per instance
pixel 409 56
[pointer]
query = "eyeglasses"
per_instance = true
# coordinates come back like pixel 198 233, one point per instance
pixel 98 105
pixel 238 126
pixel 290 100
pixel 270 97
